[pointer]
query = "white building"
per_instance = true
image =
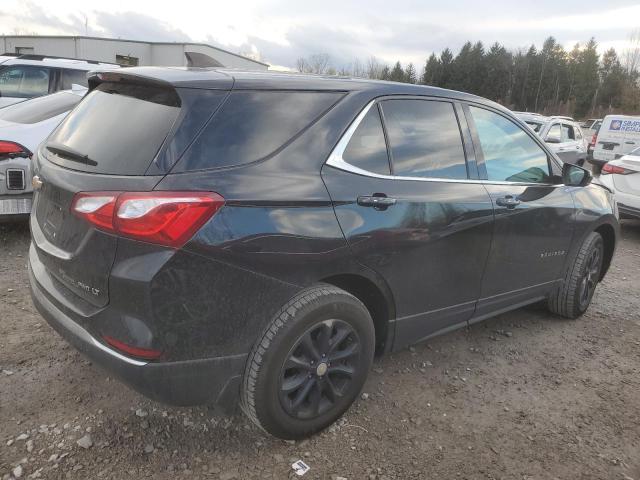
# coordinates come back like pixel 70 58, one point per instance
pixel 125 52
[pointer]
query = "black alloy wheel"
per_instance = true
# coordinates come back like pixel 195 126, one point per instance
pixel 319 369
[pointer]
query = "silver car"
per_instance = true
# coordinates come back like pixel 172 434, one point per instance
pixel 563 135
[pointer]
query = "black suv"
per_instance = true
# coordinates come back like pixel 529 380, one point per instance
pixel 214 236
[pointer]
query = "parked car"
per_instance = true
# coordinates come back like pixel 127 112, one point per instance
pixel 622 176
pixel 22 127
pixel 591 124
pixel 263 253
pixel 27 76
pixel 562 134
pixel 617 136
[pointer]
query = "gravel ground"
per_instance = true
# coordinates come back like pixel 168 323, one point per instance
pixel 522 396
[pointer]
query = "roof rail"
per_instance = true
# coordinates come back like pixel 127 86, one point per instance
pixel 32 56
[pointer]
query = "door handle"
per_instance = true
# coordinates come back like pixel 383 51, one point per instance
pixel 377 201
pixel 508 201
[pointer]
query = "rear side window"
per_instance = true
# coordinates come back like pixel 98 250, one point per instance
pixel 252 125
pixel 509 153
pixel 40 109
pixel 117 129
pixel 68 77
pixel 424 138
pixel 367 148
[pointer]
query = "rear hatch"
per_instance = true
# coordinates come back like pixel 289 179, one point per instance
pixel 107 143
pixel 629 182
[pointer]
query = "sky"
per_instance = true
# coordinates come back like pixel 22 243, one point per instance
pixel 280 31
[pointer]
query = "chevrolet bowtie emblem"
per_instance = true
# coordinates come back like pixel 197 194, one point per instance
pixel 36 183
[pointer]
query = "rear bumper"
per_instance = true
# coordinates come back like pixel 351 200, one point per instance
pixel 187 382
pixel 628 211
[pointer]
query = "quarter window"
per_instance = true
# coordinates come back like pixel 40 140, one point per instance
pixel 69 77
pixel 367 148
pixel 510 154
pixel 424 138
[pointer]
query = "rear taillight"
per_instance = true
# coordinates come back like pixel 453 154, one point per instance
pixel 608 168
pixel 145 353
pixel 165 218
pixel 12 149
pixel 594 139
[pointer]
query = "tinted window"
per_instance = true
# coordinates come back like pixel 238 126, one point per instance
pixel 119 127
pixel 24 81
pixel 567 133
pixel 509 153
pixel 367 148
pixel 424 138
pixel 554 132
pixel 69 77
pixel 252 125
pixel 40 109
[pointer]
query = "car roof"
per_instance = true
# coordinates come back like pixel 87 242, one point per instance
pixel 219 78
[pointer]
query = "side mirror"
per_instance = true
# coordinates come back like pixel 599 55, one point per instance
pixel 575 176
pixel 552 140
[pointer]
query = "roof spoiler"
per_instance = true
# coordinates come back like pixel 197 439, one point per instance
pixel 200 60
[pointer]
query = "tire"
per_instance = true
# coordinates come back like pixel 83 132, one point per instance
pixel 309 392
pixel 571 299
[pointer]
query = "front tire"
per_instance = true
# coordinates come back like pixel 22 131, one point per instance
pixel 310 364
pixel 574 296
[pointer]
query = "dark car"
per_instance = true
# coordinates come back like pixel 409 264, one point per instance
pixel 213 236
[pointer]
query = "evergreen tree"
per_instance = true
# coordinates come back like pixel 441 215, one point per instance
pixel 431 72
pixel 446 69
pixel 397 73
pixel 410 74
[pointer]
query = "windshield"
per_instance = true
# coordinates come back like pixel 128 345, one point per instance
pixel 109 141
pixel 635 152
pixel 40 109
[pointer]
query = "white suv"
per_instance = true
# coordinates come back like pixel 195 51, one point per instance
pixel 27 76
pixel 563 135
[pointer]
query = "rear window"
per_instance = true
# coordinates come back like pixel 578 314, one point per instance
pixel 117 129
pixel 40 109
pixel 252 125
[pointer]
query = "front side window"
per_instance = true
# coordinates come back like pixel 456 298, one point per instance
pixel 24 81
pixel 367 148
pixel 425 139
pixel 510 154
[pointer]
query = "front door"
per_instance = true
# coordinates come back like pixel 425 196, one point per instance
pixel 533 213
pixel 409 212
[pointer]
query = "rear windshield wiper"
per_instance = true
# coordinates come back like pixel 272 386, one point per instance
pixel 69 153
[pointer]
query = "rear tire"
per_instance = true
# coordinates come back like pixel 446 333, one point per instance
pixel 310 363
pixel 574 296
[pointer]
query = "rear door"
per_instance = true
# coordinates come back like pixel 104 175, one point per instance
pixel 533 213
pixel 405 203
pixel 570 148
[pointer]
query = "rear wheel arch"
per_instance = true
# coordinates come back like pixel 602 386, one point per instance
pixel 377 299
pixel 608 234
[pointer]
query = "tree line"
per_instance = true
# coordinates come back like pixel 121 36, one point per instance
pixel 549 80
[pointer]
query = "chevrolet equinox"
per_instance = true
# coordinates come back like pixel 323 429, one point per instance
pixel 226 237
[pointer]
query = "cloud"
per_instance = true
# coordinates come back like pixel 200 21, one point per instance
pixel 280 31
